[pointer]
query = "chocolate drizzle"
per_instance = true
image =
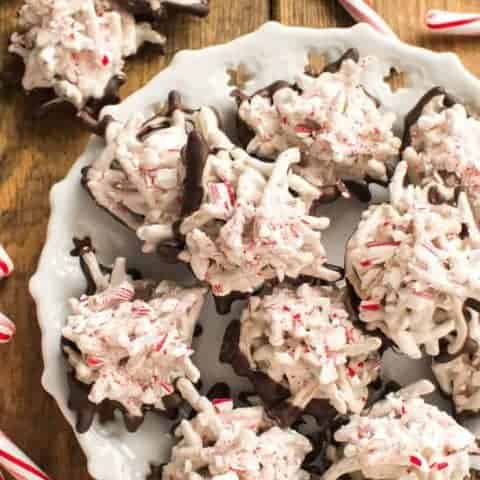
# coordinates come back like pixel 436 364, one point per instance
pixel 350 54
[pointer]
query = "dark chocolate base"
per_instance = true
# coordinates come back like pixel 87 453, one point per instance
pixel 223 304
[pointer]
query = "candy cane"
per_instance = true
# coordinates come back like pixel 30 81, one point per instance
pixel 453 23
pixel 7 329
pixel 15 462
pixel 6 264
pixel 362 12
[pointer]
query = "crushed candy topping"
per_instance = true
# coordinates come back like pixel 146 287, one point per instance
pixel 76 47
pixel 410 262
pixel 303 339
pixel 403 438
pixel 233 444
pixel 254 224
pixel 338 127
pixel 128 348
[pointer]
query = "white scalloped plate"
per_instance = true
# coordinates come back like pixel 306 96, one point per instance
pixel 271 53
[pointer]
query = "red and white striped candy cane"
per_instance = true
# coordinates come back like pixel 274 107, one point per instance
pixel 6 264
pixel 7 329
pixel 453 23
pixel 362 12
pixel 16 463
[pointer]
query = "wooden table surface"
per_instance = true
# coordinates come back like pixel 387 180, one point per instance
pixel 36 154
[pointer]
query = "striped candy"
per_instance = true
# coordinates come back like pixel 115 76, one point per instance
pixel 16 463
pixel 453 23
pixel 7 329
pixel 6 264
pixel 362 12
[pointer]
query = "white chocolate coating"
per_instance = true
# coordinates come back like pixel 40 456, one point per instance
pixel 303 339
pixel 410 263
pixel 250 227
pixel 132 350
pixel 445 146
pixel 460 377
pixel 338 127
pixel 226 443
pixel 76 47
pixel 404 438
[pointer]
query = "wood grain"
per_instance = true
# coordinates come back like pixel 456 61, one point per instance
pixel 35 154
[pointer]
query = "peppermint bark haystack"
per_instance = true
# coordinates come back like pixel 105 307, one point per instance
pixel 346 140
pixel 127 342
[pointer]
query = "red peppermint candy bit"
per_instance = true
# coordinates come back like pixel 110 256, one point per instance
pixel 161 343
pixel 442 465
pixel 366 263
pixel 351 372
pixel 302 129
pixel 7 329
pixel 105 60
pixel 166 386
pixel 297 317
pixel 415 461
pixel 286 309
pixel 231 192
pixel 370 306
pixel 383 244
pixel 218 401
pixel 94 361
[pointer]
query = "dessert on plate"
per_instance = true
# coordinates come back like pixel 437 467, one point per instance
pixel 252 223
pixel 402 437
pixel 409 265
pixel 441 145
pixel 223 442
pixel 127 342
pixel 141 177
pixel 303 354
pixel 345 138
pixel 77 48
